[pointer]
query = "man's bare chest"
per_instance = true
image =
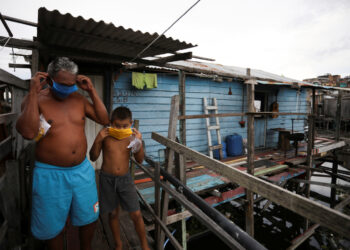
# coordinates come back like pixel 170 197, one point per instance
pixel 66 112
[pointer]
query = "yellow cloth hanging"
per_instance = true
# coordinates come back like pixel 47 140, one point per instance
pixel 119 134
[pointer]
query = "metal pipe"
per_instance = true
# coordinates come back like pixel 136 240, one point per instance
pixel 197 212
pixel 232 229
pixel 172 239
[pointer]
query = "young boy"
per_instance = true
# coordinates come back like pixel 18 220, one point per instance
pixel 116 185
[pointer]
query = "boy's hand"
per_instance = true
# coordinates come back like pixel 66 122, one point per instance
pixel 103 134
pixel 137 133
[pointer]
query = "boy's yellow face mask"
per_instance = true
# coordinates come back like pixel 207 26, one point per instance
pixel 119 134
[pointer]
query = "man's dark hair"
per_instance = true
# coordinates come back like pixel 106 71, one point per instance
pixel 121 113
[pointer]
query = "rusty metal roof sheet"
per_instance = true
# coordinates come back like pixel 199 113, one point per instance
pixel 76 33
pixel 229 71
pixel 262 77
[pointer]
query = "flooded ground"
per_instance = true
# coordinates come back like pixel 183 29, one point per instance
pixel 275 227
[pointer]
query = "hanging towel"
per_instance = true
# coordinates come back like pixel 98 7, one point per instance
pixel 139 80
pixel 151 81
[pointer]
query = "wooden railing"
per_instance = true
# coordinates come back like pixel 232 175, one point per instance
pixel 309 209
pixel 206 220
pixel 13 183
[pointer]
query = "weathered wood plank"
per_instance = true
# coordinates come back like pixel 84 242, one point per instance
pixel 314 211
pixel 174 112
pixel 34 65
pixel 5 147
pixel 172 219
pixel 249 209
pixel 100 240
pixel 157 204
pixel 184 117
pixel 318 183
pixel 18 43
pixel 338 116
pixel 270 170
pixel 20 66
pixel 329 147
pixel 3 230
pixel 12 80
pixel 7 118
pixel 182 103
pixel 275 113
pixel 132 169
pixel 128 229
pixel 300 239
pixel 310 158
pixel 9 202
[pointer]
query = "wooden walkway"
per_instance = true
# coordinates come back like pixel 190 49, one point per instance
pixel 103 238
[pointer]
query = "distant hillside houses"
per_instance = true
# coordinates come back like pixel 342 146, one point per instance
pixel 330 80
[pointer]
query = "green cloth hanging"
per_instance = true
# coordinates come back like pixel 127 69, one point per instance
pixel 151 81
pixel 137 80
pixel 140 80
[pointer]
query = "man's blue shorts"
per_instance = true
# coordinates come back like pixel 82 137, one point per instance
pixel 59 192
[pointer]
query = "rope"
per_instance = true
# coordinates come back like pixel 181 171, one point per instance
pixel 8 39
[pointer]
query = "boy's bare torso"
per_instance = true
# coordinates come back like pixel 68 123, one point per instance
pixel 116 156
pixel 65 143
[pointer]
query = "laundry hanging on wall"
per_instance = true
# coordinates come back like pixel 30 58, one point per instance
pixel 140 80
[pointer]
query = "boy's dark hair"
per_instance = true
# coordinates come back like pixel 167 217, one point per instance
pixel 121 113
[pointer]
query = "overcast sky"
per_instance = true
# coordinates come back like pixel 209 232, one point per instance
pixel 295 38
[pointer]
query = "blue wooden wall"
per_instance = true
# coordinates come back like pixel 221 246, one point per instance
pixel 151 107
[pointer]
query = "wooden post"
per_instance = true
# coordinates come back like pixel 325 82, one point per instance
pixel 157 203
pixel 182 111
pixel 35 61
pixel 182 160
pixel 335 160
pixel 309 159
pixel 250 195
pixel 338 116
pixel 132 170
pixel 180 172
pixel 310 146
pixel 173 118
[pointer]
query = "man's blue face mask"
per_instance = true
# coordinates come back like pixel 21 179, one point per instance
pixel 63 91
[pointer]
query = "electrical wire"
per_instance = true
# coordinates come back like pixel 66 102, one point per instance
pixel 149 45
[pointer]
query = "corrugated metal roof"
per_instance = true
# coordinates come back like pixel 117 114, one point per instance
pixel 229 71
pixel 66 31
pixel 262 77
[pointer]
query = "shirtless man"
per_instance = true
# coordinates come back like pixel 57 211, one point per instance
pixel 63 179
